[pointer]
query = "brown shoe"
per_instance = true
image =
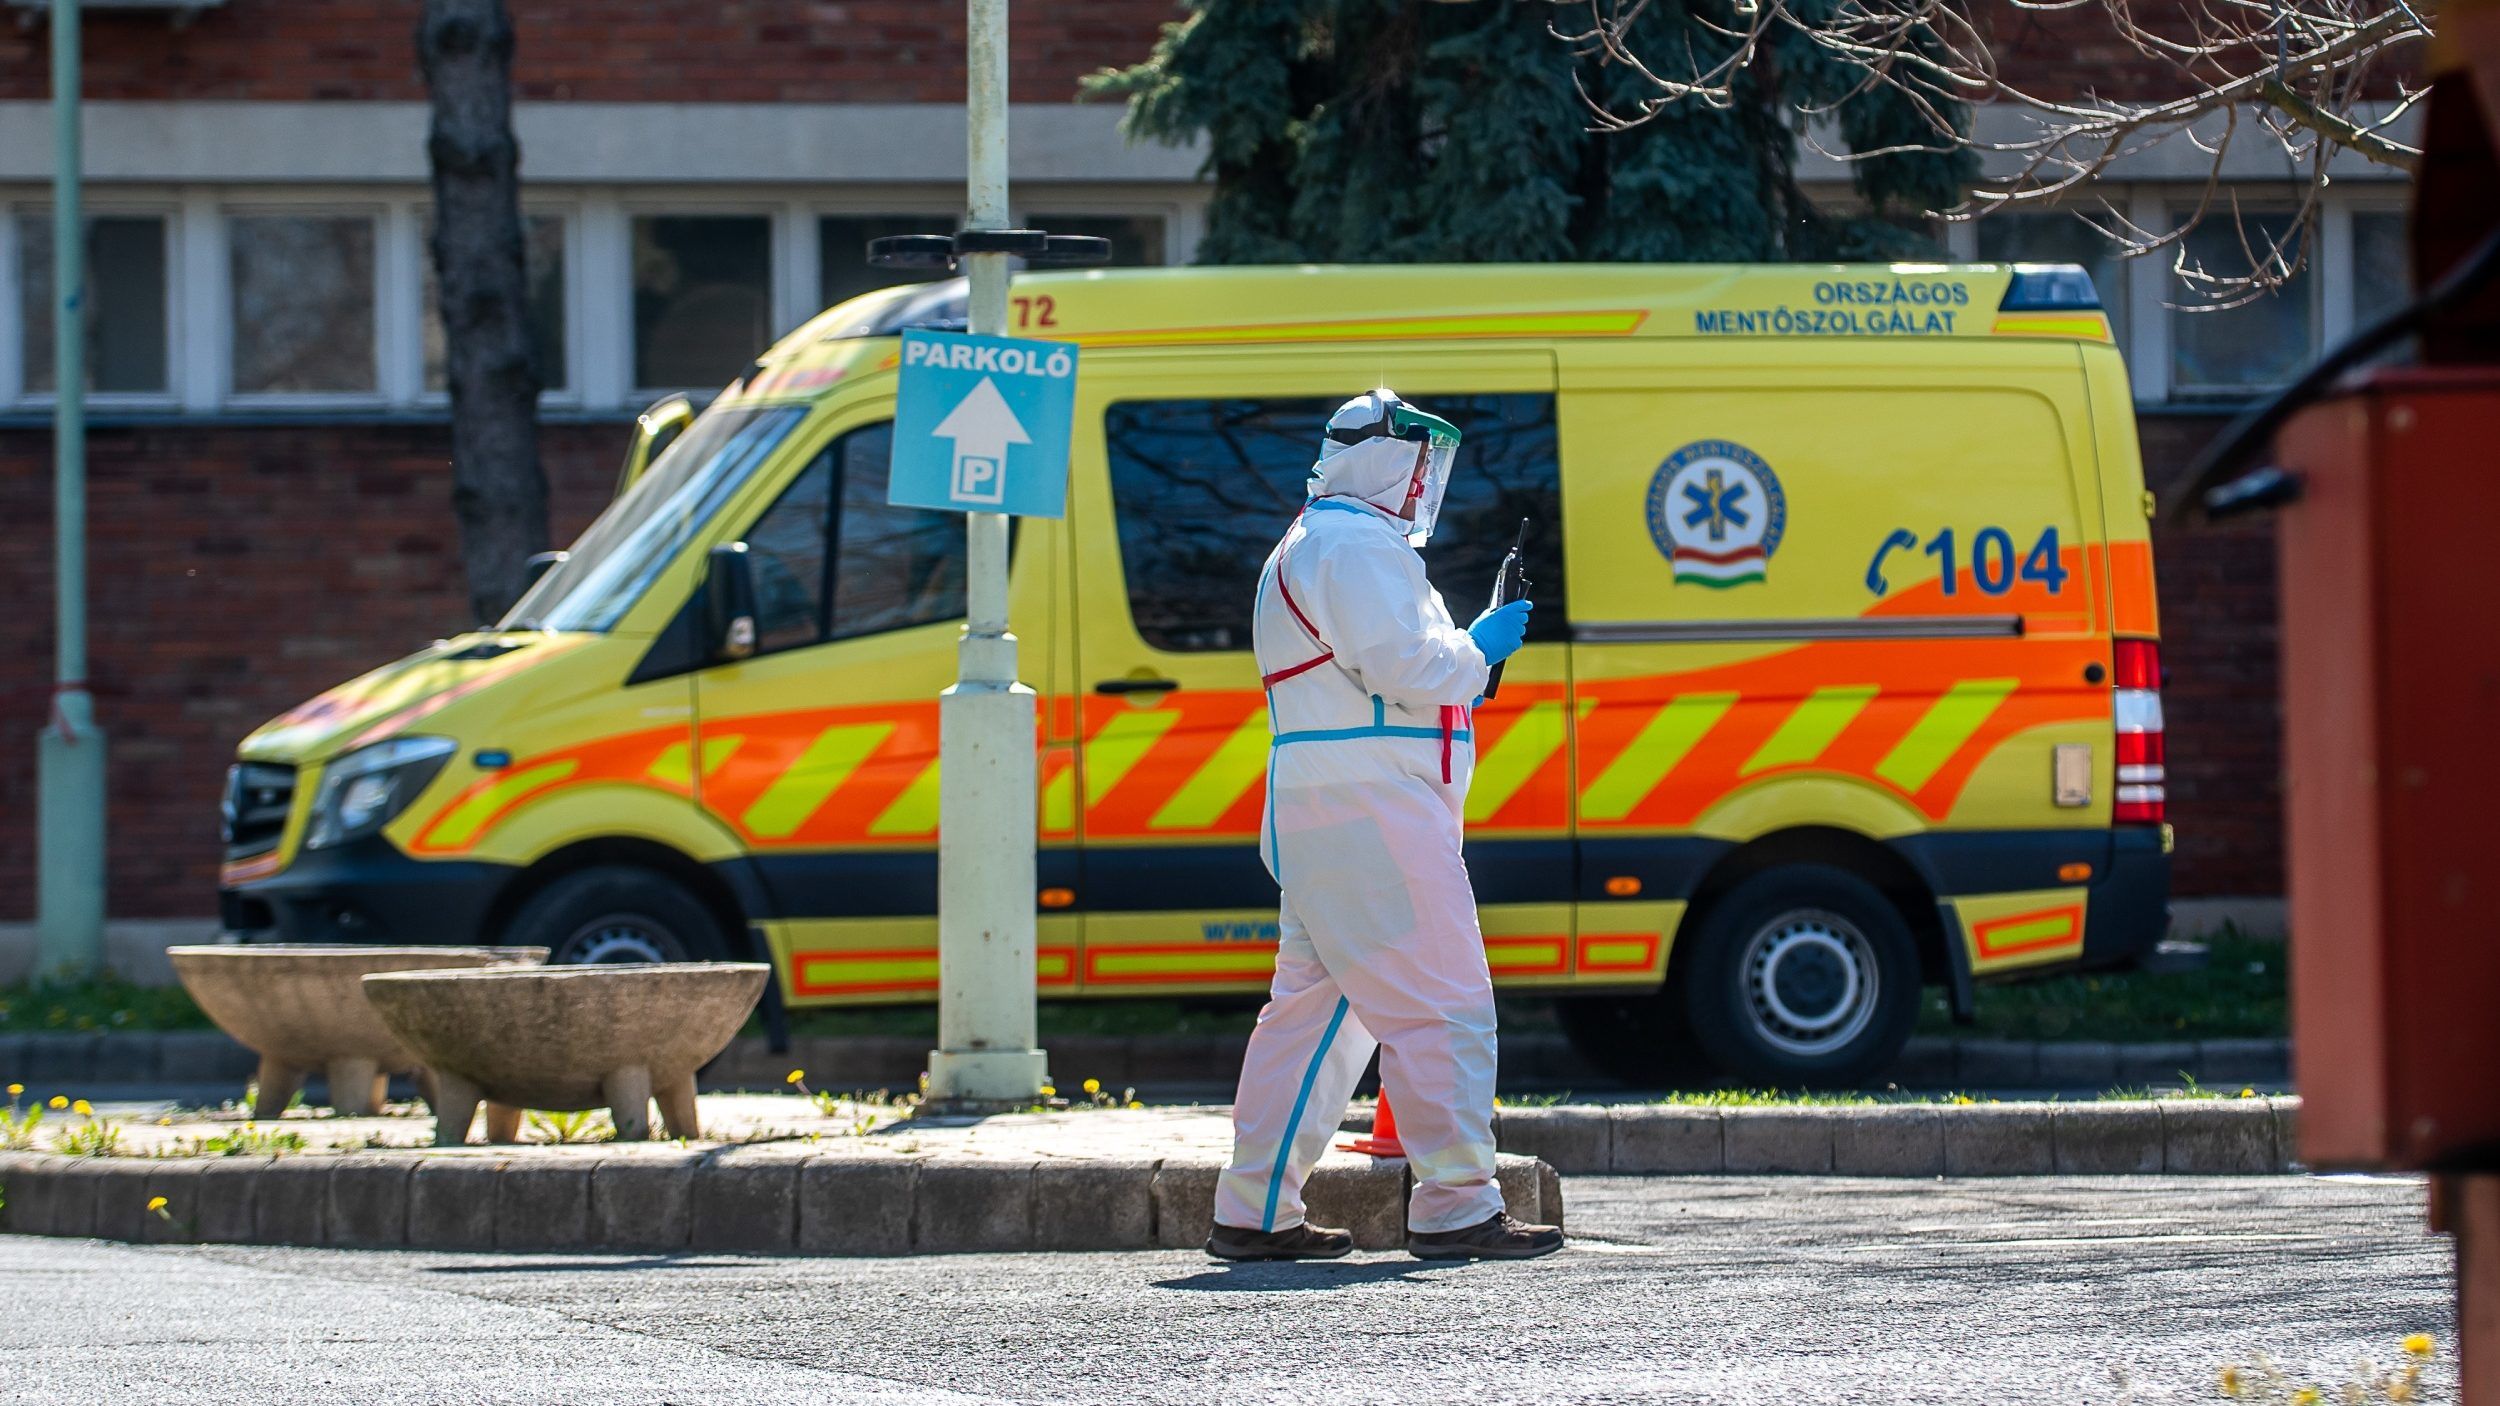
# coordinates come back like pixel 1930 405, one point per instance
pixel 1497 1237
pixel 1294 1242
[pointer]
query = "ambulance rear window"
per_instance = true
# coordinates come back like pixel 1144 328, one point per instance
pixel 1203 488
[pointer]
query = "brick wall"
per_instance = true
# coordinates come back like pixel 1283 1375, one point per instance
pixel 2224 712
pixel 854 51
pixel 238 570
pixel 234 572
pixel 850 51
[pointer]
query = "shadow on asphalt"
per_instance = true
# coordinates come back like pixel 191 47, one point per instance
pixel 524 1265
pixel 1306 1274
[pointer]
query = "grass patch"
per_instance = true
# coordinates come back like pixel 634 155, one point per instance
pixel 96 1003
pixel 2239 994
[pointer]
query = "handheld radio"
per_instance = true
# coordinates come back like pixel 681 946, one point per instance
pixel 1509 584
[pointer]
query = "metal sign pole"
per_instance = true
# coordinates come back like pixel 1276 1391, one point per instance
pixel 986 762
pixel 69 753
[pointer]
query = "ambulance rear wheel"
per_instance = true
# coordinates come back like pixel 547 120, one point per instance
pixel 616 913
pixel 1801 976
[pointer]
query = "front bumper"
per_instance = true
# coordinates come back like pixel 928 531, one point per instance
pixel 367 892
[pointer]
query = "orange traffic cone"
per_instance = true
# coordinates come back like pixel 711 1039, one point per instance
pixel 1383 1141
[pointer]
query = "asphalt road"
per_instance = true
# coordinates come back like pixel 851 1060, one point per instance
pixel 1704 1290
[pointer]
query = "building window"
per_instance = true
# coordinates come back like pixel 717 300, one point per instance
pixel 703 297
pixel 1204 488
pixel 302 303
pixel 2241 350
pixel 1136 240
pixel 842 267
pixel 2054 237
pixel 2382 265
pixel 125 303
pixel 542 242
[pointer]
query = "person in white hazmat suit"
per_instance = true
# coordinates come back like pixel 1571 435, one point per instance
pixel 1370 686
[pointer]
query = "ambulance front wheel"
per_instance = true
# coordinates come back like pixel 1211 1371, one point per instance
pixel 1800 975
pixel 618 913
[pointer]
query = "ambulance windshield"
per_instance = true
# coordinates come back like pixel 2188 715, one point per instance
pixel 643 531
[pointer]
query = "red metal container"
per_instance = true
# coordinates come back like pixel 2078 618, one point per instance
pixel 2391 675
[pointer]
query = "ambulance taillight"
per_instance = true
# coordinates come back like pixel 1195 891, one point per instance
pixel 2142 797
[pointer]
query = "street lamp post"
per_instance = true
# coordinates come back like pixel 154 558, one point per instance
pixel 69 753
pixel 986 762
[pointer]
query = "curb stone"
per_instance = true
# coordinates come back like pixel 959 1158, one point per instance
pixel 643 1203
pixel 1901 1140
pixel 73 1061
pixel 770 1199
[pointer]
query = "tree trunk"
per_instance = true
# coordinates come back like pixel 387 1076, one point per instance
pixel 499 490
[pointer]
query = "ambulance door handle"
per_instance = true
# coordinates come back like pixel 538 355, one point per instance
pixel 1116 687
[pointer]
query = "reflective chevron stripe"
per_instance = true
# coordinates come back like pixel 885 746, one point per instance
pixel 1811 728
pixel 817 774
pixel 1947 724
pixel 1226 777
pixel 1517 756
pixel 1666 739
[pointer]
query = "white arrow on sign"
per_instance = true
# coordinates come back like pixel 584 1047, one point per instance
pixel 982 427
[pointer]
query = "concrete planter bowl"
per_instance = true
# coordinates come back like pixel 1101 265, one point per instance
pixel 567 1038
pixel 301 1008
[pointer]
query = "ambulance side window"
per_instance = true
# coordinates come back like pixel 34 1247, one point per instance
pixel 786 554
pixel 1203 488
pixel 893 567
pixel 831 535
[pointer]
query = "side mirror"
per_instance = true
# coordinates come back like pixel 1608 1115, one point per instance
pixel 539 565
pixel 729 603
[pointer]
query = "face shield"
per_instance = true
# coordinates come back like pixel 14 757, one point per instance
pixel 1382 416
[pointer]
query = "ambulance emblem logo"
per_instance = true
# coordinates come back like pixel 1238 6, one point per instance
pixel 1717 513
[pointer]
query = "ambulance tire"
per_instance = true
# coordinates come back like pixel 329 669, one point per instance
pixel 615 913
pixel 1640 1040
pixel 1801 976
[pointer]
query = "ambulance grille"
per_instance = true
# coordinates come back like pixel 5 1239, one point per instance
pixel 258 795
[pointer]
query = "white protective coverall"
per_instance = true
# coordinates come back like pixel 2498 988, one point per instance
pixel 1367 782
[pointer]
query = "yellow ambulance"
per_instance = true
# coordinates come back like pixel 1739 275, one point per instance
pixel 1844 679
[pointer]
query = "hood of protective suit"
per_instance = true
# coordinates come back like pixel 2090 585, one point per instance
pixel 1392 455
pixel 1378 471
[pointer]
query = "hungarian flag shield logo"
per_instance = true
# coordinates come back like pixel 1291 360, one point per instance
pixel 1717 513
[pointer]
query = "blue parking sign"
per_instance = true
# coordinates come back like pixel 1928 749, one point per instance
pixel 981 424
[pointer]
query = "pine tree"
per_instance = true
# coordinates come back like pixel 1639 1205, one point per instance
pixel 1371 131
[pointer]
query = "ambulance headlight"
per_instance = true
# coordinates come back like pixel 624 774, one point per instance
pixel 367 789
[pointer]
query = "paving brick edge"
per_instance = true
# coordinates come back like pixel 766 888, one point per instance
pixel 48 1061
pixel 2181 1137
pixel 758 1199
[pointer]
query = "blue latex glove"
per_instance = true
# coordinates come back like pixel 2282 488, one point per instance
pixel 1500 632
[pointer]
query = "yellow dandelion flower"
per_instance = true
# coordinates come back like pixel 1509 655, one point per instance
pixel 164 1122
pixel 83 1109
pixel 59 1102
pixel 2306 1396
pixel 1049 1092
pixel 156 1203
pixel 2231 1383
pixel 1093 1086
pixel 2248 1093
pixel 1135 1103
pixel 794 1076
pixel 16 1089
pixel 2421 1345
pixel 1964 1100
